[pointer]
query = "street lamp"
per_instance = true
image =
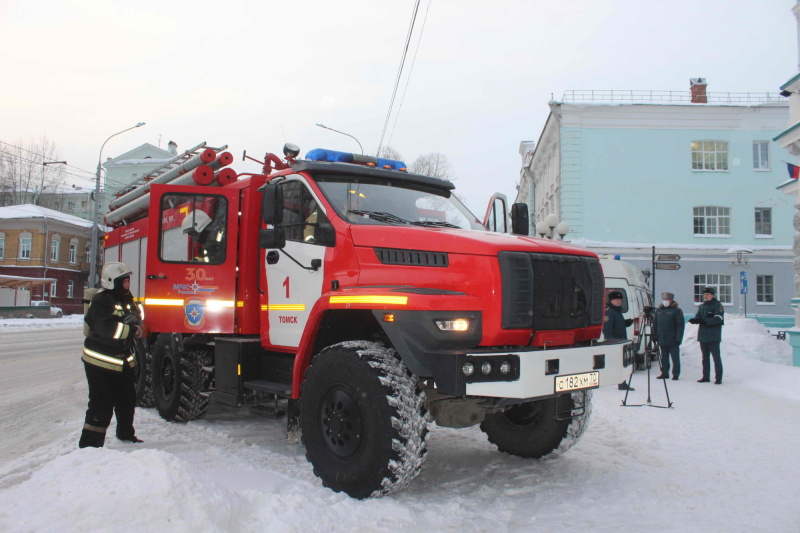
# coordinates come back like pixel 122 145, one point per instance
pixel 41 185
pixel 343 133
pixel 96 212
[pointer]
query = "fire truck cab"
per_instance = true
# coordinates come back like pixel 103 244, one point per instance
pixel 370 301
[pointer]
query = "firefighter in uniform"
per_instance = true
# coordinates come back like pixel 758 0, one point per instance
pixel 108 357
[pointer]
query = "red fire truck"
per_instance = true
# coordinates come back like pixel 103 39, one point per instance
pixel 367 301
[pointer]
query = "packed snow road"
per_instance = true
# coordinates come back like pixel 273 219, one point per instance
pixel 723 459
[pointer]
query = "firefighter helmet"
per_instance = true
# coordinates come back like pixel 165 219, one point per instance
pixel 112 271
pixel 196 220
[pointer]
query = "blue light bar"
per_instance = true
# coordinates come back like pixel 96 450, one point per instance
pixel 333 156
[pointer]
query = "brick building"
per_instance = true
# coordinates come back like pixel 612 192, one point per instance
pixel 40 243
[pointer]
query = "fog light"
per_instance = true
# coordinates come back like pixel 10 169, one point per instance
pixel 486 368
pixel 468 369
pixel 505 367
pixel 453 325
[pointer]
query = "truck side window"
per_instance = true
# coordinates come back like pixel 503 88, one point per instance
pixel 193 228
pixel 302 214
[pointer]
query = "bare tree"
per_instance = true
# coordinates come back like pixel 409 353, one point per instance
pixel 387 152
pixel 23 176
pixel 433 164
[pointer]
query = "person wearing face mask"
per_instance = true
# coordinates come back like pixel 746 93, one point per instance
pixel 668 327
pixel 108 358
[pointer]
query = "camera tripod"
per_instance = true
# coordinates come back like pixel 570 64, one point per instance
pixel 651 352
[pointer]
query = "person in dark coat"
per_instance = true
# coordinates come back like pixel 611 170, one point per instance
pixel 614 327
pixel 108 358
pixel 711 317
pixel 668 326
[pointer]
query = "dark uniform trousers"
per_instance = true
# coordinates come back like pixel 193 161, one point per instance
pixel 110 392
pixel 711 349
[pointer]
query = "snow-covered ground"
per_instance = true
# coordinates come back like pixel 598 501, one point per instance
pixel 723 459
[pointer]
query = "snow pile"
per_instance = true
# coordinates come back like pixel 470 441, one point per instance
pixel 722 459
pixel 65 322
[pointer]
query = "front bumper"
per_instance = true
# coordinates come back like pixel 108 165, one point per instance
pixel 534 373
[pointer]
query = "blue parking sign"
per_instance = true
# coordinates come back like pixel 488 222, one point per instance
pixel 743 282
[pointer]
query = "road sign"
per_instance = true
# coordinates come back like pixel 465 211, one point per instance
pixel 668 257
pixel 668 266
pixel 743 282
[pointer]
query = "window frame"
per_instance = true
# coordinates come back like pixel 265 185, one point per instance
pixel 717 281
pixel 55 248
pixel 2 245
pixel 73 251
pixel 221 213
pixel 762 235
pixel 70 289
pixel 757 156
pixel 709 151
pixel 761 291
pixel 25 248
pixel 706 216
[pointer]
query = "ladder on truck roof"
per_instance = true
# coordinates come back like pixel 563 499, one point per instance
pixel 166 167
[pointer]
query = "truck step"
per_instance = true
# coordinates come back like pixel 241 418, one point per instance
pixel 270 387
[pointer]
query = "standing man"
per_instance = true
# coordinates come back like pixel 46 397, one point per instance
pixel 108 358
pixel 711 317
pixel 614 327
pixel 668 329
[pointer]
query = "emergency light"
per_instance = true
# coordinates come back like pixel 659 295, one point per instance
pixel 333 156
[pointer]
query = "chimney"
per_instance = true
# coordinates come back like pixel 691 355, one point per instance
pixel 698 87
pixel 172 147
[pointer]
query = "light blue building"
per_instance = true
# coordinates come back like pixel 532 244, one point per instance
pixel 692 173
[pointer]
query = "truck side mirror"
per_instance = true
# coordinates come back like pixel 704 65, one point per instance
pixel 519 219
pixel 272 204
pixel 272 238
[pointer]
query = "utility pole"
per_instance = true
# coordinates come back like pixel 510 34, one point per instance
pixel 96 212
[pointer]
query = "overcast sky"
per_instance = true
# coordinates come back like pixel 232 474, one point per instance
pixel 254 75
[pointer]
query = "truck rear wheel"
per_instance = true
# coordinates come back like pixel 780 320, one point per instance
pixel 178 381
pixel 143 377
pixel 531 429
pixel 363 420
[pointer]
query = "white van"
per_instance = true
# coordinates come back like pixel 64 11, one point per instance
pixel 636 295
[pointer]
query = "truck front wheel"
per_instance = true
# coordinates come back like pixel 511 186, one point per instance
pixel 532 430
pixel 178 381
pixel 363 420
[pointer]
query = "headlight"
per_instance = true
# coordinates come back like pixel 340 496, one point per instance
pixel 459 324
pixel 468 369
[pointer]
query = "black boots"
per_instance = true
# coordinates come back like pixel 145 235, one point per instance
pixel 704 380
pixel 91 439
pixel 663 376
pixel 133 439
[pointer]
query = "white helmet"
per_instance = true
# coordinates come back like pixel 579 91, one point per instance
pixel 196 220
pixel 112 271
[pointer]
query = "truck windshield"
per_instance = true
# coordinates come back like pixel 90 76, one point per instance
pixel 372 202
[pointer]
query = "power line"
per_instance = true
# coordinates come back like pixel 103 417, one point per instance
pixel 399 74
pixel 410 71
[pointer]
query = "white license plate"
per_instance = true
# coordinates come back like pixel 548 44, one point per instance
pixel 587 380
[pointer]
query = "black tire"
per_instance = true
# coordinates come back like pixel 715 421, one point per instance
pixel 363 420
pixel 143 376
pixel 178 381
pixel 531 430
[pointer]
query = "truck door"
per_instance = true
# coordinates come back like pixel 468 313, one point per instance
pixel 191 259
pixel 294 274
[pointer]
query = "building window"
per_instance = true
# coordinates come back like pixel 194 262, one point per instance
pixel 712 220
pixel 763 222
pixel 2 245
pixel 88 253
pixel 710 155
pixel 720 282
pixel 54 244
pixel 53 289
pixel 760 155
pixel 73 251
pixel 70 289
pixel 765 289
pixel 25 246
pixel 70 206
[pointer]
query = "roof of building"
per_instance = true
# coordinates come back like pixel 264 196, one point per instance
pixel 36 211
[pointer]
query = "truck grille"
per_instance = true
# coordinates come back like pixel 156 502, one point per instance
pixel 389 256
pixel 551 291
